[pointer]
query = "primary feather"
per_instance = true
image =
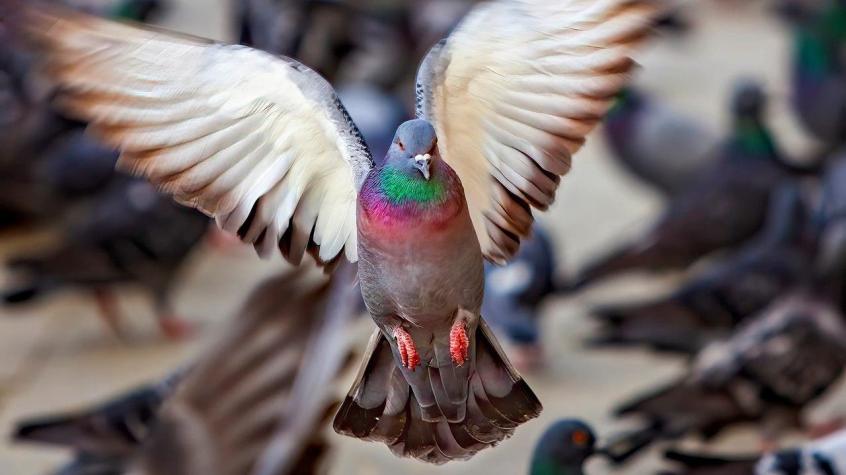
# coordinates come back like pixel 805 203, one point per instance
pixel 260 143
pixel 514 91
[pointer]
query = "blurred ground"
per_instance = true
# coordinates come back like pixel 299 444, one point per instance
pixel 57 355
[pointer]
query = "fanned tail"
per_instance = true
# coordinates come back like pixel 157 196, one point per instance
pixel 382 407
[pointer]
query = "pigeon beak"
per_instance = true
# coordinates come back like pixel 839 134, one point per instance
pixel 423 163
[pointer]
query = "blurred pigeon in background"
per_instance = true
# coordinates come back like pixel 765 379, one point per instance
pixel 818 88
pixel 563 449
pixel 515 292
pixel 666 150
pixel 104 437
pixel 726 292
pixel 687 463
pixel 376 113
pixel 823 456
pixel 767 373
pixel 128 234
pixel 727 206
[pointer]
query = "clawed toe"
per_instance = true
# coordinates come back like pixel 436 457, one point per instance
pixel 459 343
pixel 408 352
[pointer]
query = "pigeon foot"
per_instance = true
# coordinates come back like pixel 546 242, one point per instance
pixel 175 328
pixel 408 352
pixel 459 343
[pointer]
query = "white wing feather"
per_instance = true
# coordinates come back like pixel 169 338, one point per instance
pixel 258 142
pixel 514 91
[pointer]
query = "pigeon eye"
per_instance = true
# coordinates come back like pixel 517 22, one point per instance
pixel 401 146
pixel 580 438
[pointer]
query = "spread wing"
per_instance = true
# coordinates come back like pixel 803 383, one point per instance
pixel 514 91
pixel 257 402
pixel 261 143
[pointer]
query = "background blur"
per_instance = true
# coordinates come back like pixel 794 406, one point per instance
pixel 56 355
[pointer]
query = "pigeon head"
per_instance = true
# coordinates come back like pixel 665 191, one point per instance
pixel 563 447
pixel 414 149
pixel 749 100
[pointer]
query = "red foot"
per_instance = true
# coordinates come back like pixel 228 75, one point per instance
pixel 176 329
pixel 408 352
pixel 818 431
pixel 459 344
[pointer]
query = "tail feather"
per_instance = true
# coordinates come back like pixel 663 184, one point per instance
pixel 382 407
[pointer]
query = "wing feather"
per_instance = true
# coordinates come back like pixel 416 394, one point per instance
pixel 245 137
pixel 513 93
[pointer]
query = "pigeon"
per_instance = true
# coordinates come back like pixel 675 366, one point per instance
pixel 712 302
pixel 767 372
pixel 514 293
pixel 134 10
pixel 830 218
pixel 725 208
pixel 824 456
pixel 113 429
pixel 252 398
pixel 664 149
pixel 262 144
pixel 563 449
pixel 75 165
pixel 701 464
pixel 818 92
pixel 821 456
pixel 129 234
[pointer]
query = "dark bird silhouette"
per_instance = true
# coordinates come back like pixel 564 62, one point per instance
pixel 818 90
pixel 515 292
pixel 725 208
pixel 767 372
pixel 703 464
pixel 715 300
pixel 129 234
pixel 114 428
pixel 254 402
pixel 563 449
pixel 664 149
pixel 821 456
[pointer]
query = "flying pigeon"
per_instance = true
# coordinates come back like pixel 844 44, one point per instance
pixel 726 206
pixel 263 145
pixel 257 396
pixel 660 146
pixel 563 449
pixel 767 372
pixel 712 302
pixel 256 401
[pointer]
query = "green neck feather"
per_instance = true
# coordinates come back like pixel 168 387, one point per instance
pixel 818 42
pixel 813 54
pixel 753 138
pixel 124 10
pixel 545 466
pixel 400 188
